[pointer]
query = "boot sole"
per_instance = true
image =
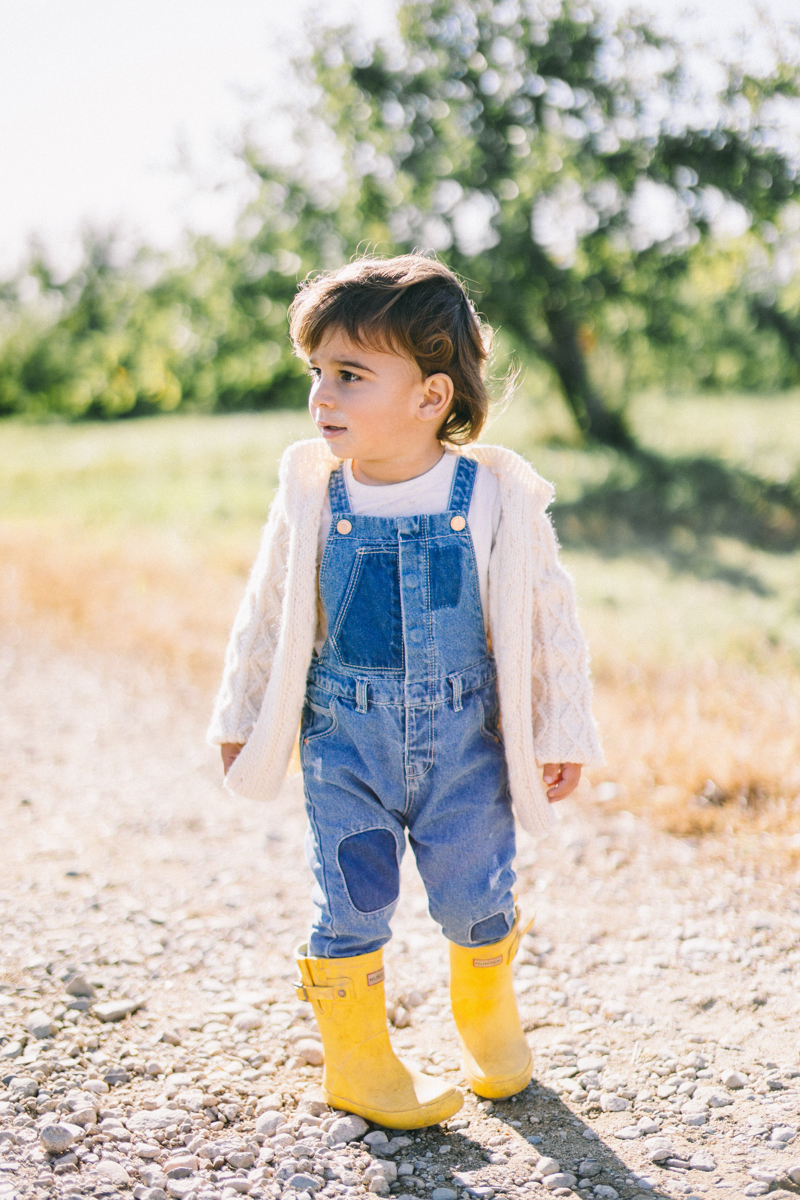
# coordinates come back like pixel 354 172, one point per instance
pixel 415 1118
pixel 499 1089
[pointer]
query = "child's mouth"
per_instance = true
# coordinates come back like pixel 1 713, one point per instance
pixel 332 430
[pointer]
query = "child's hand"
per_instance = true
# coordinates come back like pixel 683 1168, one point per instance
pixel 230 752
pixel 564 778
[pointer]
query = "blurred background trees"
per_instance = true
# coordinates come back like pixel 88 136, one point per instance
pixel 623 222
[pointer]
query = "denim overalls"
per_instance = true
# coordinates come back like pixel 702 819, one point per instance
pixel 399 732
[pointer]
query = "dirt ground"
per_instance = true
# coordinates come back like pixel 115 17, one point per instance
pixel 660 985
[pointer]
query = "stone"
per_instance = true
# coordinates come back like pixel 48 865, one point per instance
pixel 112 1171
pixel 39 1025
pixel 348 1128
pixel 612 1103
pixel 713 1097
pixel 387 1169
pixel 78 985
pixel 783 1133
pixel 546 1166
pixel 604 1191
pixel 376 1138
pixel 153 1176
pixel 314 1103
pixel 793 1173
pixel 659 1149
pixel 765 1174
pixel 734 1080
pixel 268 1122
pixel 561 1179
pixel 444 1193
pixel 646 1125
pixel 182 1189
pixel 115 1077
pixel 116 1010
pixel 241 1159
pixel 310 1051
pixel 146 1149
pixel 702 1160
pixel 628 1133
pixel 57 1139
pixel 248 1020
pixel 98 1086
pixel 756 1189
pixel 303 1182
pixel 156 1118
pixel 83 1115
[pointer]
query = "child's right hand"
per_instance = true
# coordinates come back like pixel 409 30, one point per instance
pixel 230 752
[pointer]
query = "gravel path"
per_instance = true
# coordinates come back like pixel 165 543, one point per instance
pixel 150 1040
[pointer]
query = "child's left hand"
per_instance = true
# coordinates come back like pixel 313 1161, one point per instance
pixel 562 779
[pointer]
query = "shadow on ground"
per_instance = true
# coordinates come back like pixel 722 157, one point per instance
pixel 677 507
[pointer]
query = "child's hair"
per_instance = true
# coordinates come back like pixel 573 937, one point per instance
pixel 411 305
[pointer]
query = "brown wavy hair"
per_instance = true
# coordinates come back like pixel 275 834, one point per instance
pixel 411 305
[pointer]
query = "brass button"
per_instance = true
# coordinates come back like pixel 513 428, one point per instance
pixel 343 526
pixel 458 524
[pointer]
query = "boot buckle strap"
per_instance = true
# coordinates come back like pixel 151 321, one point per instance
pixel 340 989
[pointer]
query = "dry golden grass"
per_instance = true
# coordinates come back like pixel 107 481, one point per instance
pixel 138 544
pixel 127 593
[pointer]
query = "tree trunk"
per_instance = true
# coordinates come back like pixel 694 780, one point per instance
pixel 588 407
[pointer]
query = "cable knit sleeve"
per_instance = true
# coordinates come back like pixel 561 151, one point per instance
pixel 254 637
pixel 563 727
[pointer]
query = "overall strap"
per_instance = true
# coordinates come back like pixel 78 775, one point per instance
pixel 337 492
pixel 463 483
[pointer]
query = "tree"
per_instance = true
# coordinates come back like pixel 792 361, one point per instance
pixel 559 163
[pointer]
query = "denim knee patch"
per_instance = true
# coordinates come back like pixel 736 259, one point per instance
pixel 491 929
pixel 368 862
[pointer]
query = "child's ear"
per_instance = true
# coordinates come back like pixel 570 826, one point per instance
pixel 437 396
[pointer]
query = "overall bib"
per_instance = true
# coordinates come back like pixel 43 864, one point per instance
pixel 400 732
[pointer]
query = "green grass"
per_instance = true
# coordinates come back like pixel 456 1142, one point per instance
pixel 686 560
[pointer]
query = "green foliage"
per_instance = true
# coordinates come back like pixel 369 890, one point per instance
pixel 525 144
pixel 611 228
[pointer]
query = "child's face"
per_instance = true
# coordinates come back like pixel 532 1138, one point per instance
pixel 372 405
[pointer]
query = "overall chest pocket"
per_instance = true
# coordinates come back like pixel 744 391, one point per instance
pixel 369 627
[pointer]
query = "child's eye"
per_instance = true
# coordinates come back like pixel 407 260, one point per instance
pixel 349 377
pixel 314 372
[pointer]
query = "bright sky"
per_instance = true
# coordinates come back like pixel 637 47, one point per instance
pixel 101 101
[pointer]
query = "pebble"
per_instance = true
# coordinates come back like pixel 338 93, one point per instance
pixel 40 1025
pixel 783 1133
pixel 78 985
pixel 659 1149
pixel 112 1171
pixel 445 1193
pixel 560 1179
pixel 310 1051
pixel 702 1160
pixel 116 1010
pixel 302 1182
pixel 57 1139
pixel 611 1103
pixel 628 1133
pixel 348 1128
pixel 268 1122
pixel 546 1166
pixel 713 1097
pixel 734 1080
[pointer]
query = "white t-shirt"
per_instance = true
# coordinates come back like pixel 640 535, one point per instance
pixel 428 493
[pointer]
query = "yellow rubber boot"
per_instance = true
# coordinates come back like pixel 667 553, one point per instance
pixel 363 1074
pixel 496 1057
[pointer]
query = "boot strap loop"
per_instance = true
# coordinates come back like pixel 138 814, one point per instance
pixel 520 934
pixel 340 989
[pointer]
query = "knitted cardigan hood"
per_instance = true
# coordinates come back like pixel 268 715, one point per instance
pixel 542 663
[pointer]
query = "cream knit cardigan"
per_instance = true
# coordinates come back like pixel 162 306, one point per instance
pixel 542 664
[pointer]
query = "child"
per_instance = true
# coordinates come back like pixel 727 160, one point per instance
pixel 407 595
